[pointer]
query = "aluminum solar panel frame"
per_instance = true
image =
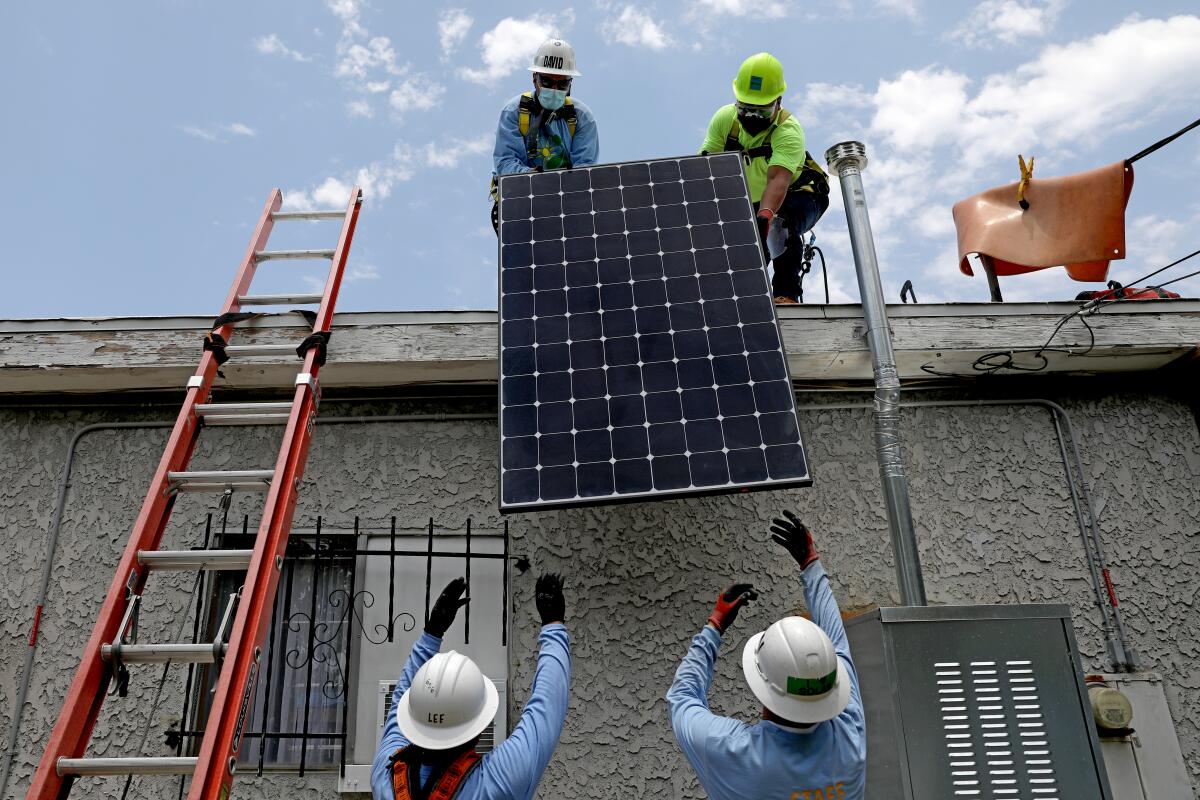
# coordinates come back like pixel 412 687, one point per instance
pixel 640 356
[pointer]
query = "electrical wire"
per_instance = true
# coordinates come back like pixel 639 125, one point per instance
pixel 1162 142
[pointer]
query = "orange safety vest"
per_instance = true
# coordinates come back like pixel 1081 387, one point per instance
pixel 406 784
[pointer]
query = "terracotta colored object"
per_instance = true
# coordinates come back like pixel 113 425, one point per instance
pixel 1075 220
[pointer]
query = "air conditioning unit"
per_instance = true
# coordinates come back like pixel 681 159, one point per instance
pixel 357 777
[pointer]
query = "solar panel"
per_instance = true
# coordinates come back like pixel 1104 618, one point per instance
pixel 640 357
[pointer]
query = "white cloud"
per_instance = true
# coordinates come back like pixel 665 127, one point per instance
pixel 1009 21
pixel 739 8
pixel 510 46
pixel 377 180
pixel 415 94
pixel 453 26
pixel 217 133
pixel 272 45
pixel 835 95
pixel 450 154
pixel 635 28
pixel 900 8
pixel 360 108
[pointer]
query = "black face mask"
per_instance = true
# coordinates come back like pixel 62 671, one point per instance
pixel 754 125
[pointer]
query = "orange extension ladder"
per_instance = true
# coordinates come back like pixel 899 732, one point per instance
pixel 237 645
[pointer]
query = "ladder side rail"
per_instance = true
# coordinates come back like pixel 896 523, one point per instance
pixel 81 707
pixel 242 664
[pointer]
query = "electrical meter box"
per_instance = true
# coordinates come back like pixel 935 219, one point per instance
pixel 975 703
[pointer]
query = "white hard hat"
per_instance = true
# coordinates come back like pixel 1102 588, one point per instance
pixel 793 671
pixel 555 57
pixel 449 703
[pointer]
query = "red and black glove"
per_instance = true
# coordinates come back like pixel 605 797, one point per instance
pixel 729 602
pixel 765 215
pixel 794 536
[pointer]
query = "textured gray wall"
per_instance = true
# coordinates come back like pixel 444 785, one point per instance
pixel 990 500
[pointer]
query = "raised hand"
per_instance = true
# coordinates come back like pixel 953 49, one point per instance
pixel 729 602
pixel 795 537
pixel 446 608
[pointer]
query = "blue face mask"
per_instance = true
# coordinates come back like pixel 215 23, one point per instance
pixel 552 99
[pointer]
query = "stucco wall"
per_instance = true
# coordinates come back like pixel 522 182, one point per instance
pixel 989 496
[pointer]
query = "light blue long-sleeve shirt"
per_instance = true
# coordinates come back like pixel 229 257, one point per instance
pixel 513 769
pixel 766 761
pixel 512 153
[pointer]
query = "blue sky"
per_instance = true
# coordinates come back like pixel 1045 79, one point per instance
pixel 141 139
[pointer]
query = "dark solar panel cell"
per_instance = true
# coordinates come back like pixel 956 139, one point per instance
pixel 646 267
pixel 699 404
pixel 595 480
pixel 640 219
pixel 625 380
pixel 515 186
pixel 690 344
pixel 576 180
pixel 582 273
pixel 558 483
pixel 518 361
pixel 593 445
pixel 546 209
pixel 518 332
pixel 654 319
pixel 660 377
pixel 618 323
pixel 632 477
pixel 580 249
pixel 708 469
pixel 585 327
pixel 639 350
pixel 591 414
pixel 578 226
pixel 703 434
pixel 515 280
pixel 670 472
pixel 545 183
pixel 550 329
pixel 519 420
pixel 517 208
pixel 554 418
pixel 553 386
pixel 630 442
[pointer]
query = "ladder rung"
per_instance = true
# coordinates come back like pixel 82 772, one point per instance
pixel 278 299
pixel 277 255
pixel 282 215
pixel 235 350
pixel 195 560
pixel 245 420
pixel 252 480
pixel 208 409
pixel 158 653
pixel 168 765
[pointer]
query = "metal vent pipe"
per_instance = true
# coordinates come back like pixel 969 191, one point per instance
pixel 848 160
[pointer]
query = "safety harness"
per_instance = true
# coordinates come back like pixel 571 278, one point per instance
pixel 811 178
pixel 406 775
pixel 529 116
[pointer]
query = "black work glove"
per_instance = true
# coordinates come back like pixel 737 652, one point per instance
pixel 549 598
pixel 729 602
pixel 444 610
pixel 794 536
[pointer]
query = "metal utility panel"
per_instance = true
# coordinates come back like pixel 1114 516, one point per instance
pixel 977 703
pixel 1147 764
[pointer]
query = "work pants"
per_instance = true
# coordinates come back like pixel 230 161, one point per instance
pixel 798 214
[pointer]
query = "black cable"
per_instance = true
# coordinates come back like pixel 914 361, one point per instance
pixel 1162 142
pixel 1177 280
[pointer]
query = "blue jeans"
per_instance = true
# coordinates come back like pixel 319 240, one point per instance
pixel 799 213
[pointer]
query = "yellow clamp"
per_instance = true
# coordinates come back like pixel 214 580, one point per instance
pixel 1026 177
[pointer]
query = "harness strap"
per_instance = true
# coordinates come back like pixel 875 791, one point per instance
pixel 444 785
pixel 811 177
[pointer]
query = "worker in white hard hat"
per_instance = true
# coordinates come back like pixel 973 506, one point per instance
pixel 443 703
pixel 789 189
pixel 545 128
pixel 811 742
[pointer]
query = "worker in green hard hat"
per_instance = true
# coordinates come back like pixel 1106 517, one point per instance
pixel 789 189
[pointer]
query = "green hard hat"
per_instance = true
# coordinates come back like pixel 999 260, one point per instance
pixel 759 80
